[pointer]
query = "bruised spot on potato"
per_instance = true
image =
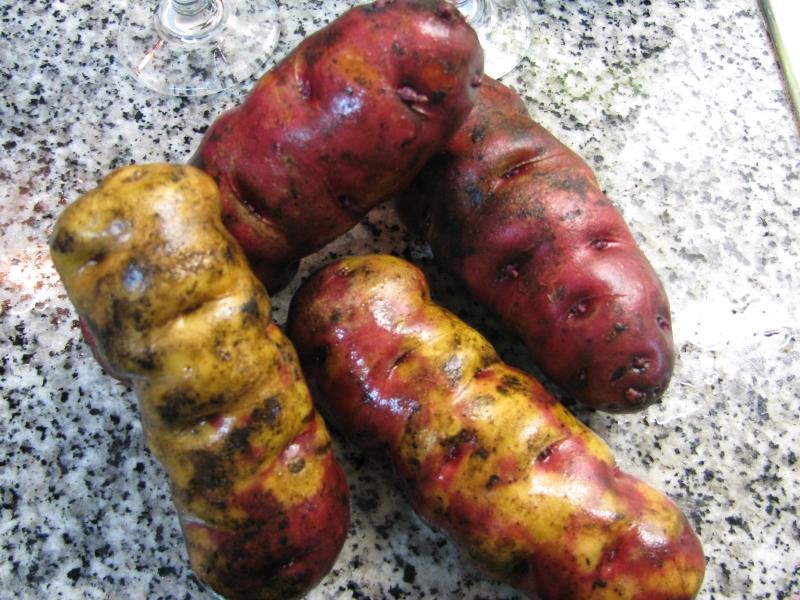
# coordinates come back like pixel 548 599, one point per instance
pixel 487 359
pixel 474 193
pixel 571 215
pixel 531 210
pixel 269 412
pixel 250 308
pixel 479 132
pixel 147 362
pixel 510 384
pixel 572 183
pixel 177 403
pixel 452 444
pixel 209 472
pixel 239 439
pixel 63 242
pixel 482 453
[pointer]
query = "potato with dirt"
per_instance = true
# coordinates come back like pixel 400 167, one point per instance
pixel 344 122
pixel 171 306
pixel 528 493
pixel 522 221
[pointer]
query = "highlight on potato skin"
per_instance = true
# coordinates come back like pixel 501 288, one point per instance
pixel 171 306
pixel 522 221
pixel 344 122
pixel 528 493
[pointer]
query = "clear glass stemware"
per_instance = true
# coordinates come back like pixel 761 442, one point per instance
pixel 505 29
pixel 197 47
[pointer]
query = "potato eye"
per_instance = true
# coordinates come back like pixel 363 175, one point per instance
pixel 446 12
pixel 508 272
pixel 411 96
pixel 579 309
pixel 600 244
pixel 348 203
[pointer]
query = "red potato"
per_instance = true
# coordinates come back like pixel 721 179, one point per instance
pixel 345 121
pixel 170 305
pixel 528 493
pixel 522 221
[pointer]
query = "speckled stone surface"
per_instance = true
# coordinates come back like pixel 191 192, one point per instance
pixel 680 108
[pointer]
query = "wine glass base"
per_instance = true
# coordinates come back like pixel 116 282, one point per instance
pixel 505 31
pixel 235 46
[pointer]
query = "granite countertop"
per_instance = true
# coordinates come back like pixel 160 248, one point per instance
pixel 680 109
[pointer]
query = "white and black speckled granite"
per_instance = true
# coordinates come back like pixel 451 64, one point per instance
pixel 680 108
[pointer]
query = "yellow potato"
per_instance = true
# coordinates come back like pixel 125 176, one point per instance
pixel 171 305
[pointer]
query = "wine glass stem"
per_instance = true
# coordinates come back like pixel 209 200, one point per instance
pixel 189 20
pixel 473 10
pixel 189 8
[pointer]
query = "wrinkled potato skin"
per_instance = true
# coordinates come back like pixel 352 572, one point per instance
pixel 522 221
pixel 172 306
pixel 346 120
pixel 525 490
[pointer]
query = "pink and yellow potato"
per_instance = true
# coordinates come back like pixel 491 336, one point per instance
pixel 172 307
pixel 527 493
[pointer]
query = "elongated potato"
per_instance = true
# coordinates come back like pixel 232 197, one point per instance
pixel 345 121
pixel 172 306
pixel 522 221
pixel 526 491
